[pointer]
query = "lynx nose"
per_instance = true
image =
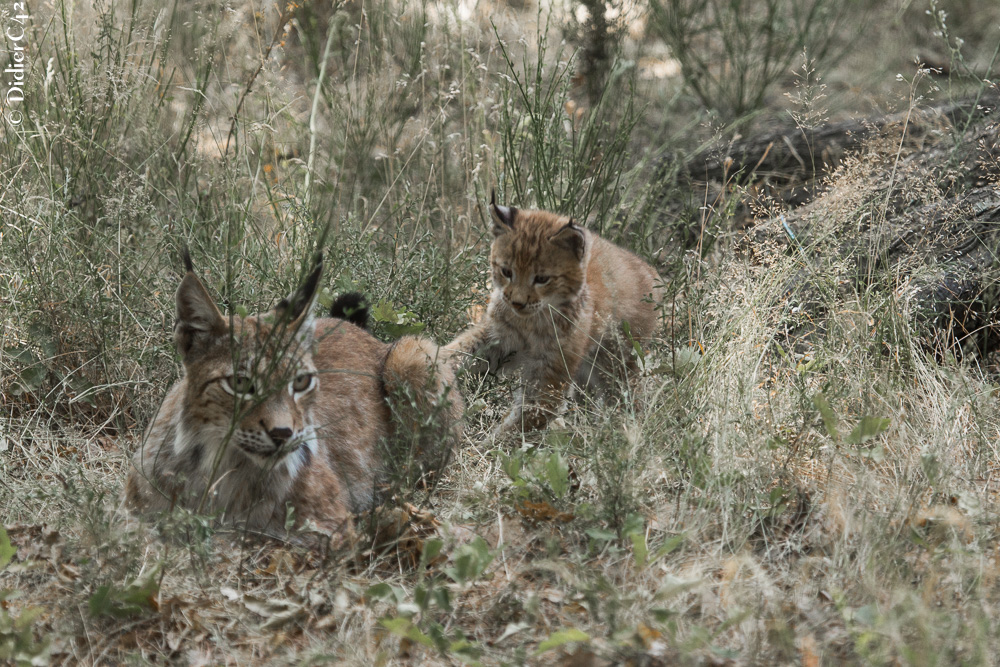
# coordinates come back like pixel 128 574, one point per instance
pixel 279 435
pixel 518 305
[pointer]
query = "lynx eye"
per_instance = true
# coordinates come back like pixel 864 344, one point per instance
pixel 238 384
pixel 541 280
pixel 302 382
pixel 505 272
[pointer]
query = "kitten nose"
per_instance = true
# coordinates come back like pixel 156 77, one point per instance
pixel 518 305
pixel 279 435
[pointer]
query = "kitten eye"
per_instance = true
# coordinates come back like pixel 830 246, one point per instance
pixel 238 384
pixel 302 382
pixel 541 280
pixel 505 272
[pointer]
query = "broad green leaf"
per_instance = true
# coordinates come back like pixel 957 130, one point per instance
pixel 32 373
pixel 442 598
pixel 828 415
pixel 471 559
pixel 409 609
pixel 381 591
pixel 21 355
pixel 876 454
pixel 561 637
pixel 396 322
pixel 383 312
pixel 466 651
pixel 634 523
pixel 430 551
pixel 7 550
pixel 557 471
pixel 600 535
pixel 512 465
pixel 42 336
pixel 421 595
pixel 669 545
pixel 404 627
pixel 867 428
pixel 639 549
pixel 436 632
pixel 325 298
pixel 404 329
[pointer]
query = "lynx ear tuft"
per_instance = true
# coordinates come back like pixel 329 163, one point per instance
pixel 197 315
pixel 572 238
pixel 297 303
pixel 186 257
pixel 503 216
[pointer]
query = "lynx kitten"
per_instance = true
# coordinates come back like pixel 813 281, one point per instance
pixel 280 410
pixel 560 295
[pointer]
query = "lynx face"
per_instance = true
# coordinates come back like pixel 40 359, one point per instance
pixel 263 402
pixel 538 261
pixel 252 383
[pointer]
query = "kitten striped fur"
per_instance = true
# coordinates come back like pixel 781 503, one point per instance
pixel 560 295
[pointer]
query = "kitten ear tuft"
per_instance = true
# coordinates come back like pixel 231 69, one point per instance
pixel 572 238
pixel 503 216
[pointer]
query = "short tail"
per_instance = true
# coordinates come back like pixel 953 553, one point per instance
pixel 426 406
pixel 419 367
pixel 352 307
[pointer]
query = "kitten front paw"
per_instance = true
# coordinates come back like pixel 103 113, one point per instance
pixel 524 421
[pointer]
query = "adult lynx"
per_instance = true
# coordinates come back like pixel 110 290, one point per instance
pixel 280 410
pixel 560 294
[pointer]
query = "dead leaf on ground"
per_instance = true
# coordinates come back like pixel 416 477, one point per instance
pixel 542 512
pixel 404 529
pixel 36 542
pixel 583 657
pixel 807 648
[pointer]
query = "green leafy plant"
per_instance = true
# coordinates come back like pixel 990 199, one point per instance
pixel 133 599
pixel 470 561
pixel 397 321
pixel 17 635
pixel 867 428
pixel 417 619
